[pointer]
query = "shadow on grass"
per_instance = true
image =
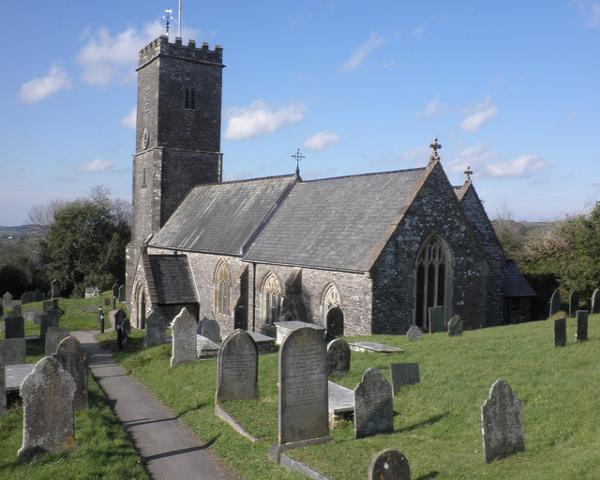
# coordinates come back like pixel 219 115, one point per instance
pixel 428 476
pixel 424 423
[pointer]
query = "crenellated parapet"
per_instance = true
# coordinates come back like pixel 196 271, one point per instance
pixel 162 47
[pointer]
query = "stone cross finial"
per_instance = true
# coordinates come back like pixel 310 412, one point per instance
pixel 468 172
pixel 435 146
pixel 298 156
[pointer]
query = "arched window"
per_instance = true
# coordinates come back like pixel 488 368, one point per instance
pixel 222 287
pixel 272 298
pixel 433 278
pixel 331 298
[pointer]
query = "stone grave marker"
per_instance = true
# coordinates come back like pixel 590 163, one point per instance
pixel 455 326
pixel 373 405
pixel 7 300
pixel 414 333
pixel 73 359
pixel 389 465
pixel 554 303
pixel 27 297
pixel 155 328
pixel 237 368
pixel 573 303
pixel 47 320
pixel 436 319
pixel 115 290
pixel 206 348
pixel 38 295
pixel 12 351
pixel 14 327
pixel 48 413
pixel 595 304
pixel 560 332
pixel 54 335
pixel 502 423
pixel 17 311
pixel 50 305
pixel 121 297
pixel 338 357
pixel 581 335
pixel 184 338
pixel 303 396
pixel 54 289
pixel 210 329
pixel 118 317
pixel 404 374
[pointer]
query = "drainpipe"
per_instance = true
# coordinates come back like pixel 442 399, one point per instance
pixel 253 296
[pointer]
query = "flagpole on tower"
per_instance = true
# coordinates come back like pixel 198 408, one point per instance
pixel 179 9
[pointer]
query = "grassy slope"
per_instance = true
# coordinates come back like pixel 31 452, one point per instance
pixel 437 423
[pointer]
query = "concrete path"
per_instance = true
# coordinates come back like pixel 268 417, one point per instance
pixel 168 448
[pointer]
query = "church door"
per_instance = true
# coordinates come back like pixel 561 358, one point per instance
pixel 335 323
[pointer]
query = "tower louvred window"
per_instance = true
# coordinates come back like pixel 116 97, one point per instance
pixel 189 100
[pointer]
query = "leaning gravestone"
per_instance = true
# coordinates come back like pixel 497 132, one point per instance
pixel 7 300
pixel 573 303
pixel 581 335
pixel 115 290
pixel 595 306
pixel 502 423
pixel 560 332
pixel 373 405
pixel 237 368
pixel 404 374
pixel 54 336
pixel 27 297
pixel 389 465
pixel 14 327
pixel 303 388
pixel 210 329
pixel 414 333
pixel 72 358
pixel 38 295
pixel 184 338
pixel 455 326
pixel 338 357
pixel 54 289
pixel 48 419
pixel 554 303
pixel 436 319
pixel 155 328
pixel 12 351
pixel 121 297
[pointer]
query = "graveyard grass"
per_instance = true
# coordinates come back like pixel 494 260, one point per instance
pixel 437 423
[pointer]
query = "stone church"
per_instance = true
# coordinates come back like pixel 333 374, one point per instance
pixel 357 254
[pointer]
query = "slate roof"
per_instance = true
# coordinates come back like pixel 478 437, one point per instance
pixel 172 279
pixel 336 223
pixel 222 218
pixel 515 284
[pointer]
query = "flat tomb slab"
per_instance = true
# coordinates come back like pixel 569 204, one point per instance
pixel 263 342
pixel 374 347
pixel 341 399
pixel 285 328
pixel 15 374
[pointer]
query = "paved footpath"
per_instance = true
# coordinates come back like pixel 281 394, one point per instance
pixel 168 448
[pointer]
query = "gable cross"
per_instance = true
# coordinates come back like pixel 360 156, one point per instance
pixel 468 172
pixel 298 156
pixel 435 146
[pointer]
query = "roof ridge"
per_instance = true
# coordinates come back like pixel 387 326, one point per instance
pixel 364 174
pixel 243 180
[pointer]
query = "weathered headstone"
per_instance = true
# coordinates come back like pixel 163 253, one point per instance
pixel 210 329
pixel 118 317
pixel 17 311
pixel 48 420
pixel 502 423
pixel 573 303
pixel 373 405
pixel 205 347
pixel 581 335
pixel 595 304
pixel 455 326
pixel 436 319
pixel 14 327
pixel 54 289
pixel 91 292
pixel 404 374
pixel 12 351
pixel 414 333
pixel 7 299
pixel 115 290
pixel 27 297
pixel 338 357
pixel 38 295
pixel 237 368
pixel 303 397
pixel 155 328
pixel 47 320
pixel 389 465
pixel 184 338
pixel 554 303
pixel 560 332
pixel 121 297
pixel 73 359
pixel 54 335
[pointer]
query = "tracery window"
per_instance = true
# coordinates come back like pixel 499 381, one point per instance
pixel 272 299
pixel 222 288
pixel 331 298
pixel 433 265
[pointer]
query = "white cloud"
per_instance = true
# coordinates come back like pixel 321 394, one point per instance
pixel 362 52
pixel 320 141
pixel 589 10
pixel 129 120
pixel 40 88
pixel 523 166
pixel 433 108
pixel 479 114
pixel 97 165
pixel 259 118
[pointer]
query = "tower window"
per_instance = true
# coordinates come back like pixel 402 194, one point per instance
pixel 189 98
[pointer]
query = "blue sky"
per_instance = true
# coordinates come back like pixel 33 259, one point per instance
pixel 511 88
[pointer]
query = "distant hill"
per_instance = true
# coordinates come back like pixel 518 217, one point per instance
pixel 23 241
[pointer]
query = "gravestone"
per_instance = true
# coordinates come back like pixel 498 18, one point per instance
pixel 155 328
pixel 14 327
pixel 12 351
pixel 560 332
pixel 73 359
pixel 455 326
pixel 502 423
pixel 436 319
pixel 121 297
pixel 17 311
pixel 595 305
pixel 206 348
pixel 210 329
pixel 27 297
pixel 573 303
pixel 389 465
pixel 581 335
pixel 373 405
pixel 303 397
pixel 48 420
pixel 338 357
pixel 54 336
pixel 7 299
pixel 414 333
pixel 47 320
pixel 38 295
pixel 91 292
pixel 184 338
pixel 50 305
pixel 115 290
pixel 237 368
pixel 54 289
pixel 118 317
pixel 554 303
pixel 404 374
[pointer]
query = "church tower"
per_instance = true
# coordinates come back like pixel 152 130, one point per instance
pixel 178 132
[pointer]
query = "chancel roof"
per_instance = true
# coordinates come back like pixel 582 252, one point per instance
pixel 172 279
pixel 515 284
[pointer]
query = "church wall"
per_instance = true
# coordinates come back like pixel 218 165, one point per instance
pixel 435 210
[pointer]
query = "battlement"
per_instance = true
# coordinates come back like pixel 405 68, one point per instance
pixel 162 46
